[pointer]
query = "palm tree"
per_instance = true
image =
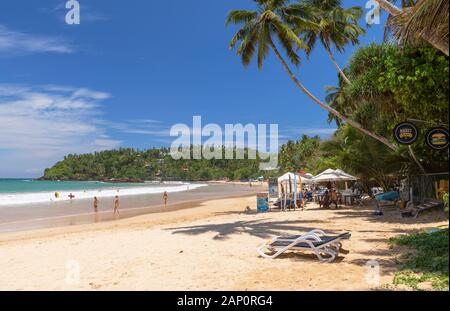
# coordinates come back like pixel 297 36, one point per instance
pixel 336 26
pixel 256 36
pixel 336 99
pixel 425 19
pixel 368 158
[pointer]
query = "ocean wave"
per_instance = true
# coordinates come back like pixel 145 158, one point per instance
pixel 42 197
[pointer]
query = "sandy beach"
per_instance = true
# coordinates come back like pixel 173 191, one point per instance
pixel 211 246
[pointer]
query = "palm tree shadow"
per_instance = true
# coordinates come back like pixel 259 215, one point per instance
pixel 259 228
pixel 301 256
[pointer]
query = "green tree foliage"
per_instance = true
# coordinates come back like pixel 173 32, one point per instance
pixel 299 155
pixel 276 20
pixel 364 157
pixel 336 26
pixel 392 84
pixel 135 165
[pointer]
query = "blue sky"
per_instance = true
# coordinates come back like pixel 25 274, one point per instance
pixel 133 69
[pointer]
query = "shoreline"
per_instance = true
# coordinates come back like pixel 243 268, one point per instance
pixel 128 189
pixel 48 196
pixel 178 212
pixel 80 211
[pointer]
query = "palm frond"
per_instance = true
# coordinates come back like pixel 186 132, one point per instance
pixel 284 32
pixel 422 19
pixel 241 34
pixel 240 17
pixel 263 45
pixel 248 46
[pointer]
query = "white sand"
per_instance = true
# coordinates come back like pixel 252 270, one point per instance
pixel 210 247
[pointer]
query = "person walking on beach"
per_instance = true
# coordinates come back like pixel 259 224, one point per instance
pixel 116 205
pixel 165 197
pixel 95 204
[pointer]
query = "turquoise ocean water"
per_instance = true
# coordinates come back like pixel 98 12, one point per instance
pixel 30 185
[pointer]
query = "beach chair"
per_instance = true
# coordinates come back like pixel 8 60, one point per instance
pixel 317 232
pixel 429 205
pixel 415 210
pixel 323 237
pixel 325 247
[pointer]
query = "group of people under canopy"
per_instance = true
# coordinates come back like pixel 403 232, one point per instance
pixel 294 190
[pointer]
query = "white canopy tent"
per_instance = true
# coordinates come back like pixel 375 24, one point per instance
pixel 288 177
pixel 291 184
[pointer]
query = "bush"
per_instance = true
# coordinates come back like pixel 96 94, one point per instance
pixel 430 261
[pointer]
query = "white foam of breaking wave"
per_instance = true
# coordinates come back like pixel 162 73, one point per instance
pixel 42 197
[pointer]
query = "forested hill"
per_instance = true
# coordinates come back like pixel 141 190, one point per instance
pixel 153 164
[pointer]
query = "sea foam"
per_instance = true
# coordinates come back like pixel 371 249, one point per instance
pixel 8 199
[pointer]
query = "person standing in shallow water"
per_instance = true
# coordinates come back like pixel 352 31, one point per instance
pixel 96 217
pixel 95 204
pixel 165 197
pixel 116 205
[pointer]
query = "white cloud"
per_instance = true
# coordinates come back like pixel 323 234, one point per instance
pixel 137 126
pixel 20 42
pixel 40 125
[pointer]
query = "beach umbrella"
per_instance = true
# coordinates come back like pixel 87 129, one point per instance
pixel 350 177
pixel 330 175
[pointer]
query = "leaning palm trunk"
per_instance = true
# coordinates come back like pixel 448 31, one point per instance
pixel 413 156
pixel 426 34
pixel 437 43
pixel 327 107
pixel 389 7
pixel 341 72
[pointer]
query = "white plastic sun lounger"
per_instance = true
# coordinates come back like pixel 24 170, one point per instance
pixel 326 248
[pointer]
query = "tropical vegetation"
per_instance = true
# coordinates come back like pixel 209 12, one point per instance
pixel 275 25
pixel 382 85
pixel 426 263
pixel 390 84
pixel 129 164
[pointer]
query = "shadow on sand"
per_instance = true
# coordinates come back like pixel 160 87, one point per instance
pixel 260 228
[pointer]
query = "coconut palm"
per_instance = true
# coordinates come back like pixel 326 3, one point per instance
pixel 271 21
pixel 336 99
pixel 425 19
pixel 337 26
